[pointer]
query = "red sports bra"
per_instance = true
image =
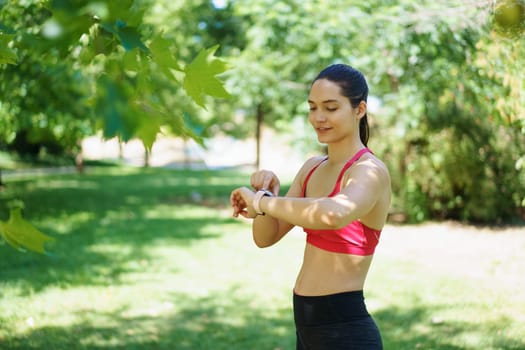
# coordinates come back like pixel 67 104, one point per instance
pixel 355 238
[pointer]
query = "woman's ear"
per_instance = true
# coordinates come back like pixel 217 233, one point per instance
pixel 361 110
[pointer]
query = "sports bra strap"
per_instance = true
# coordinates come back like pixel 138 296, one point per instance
pixel 349 164
pixel 340 177
pixel 310 174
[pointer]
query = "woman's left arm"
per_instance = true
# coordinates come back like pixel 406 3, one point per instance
pixel 365 184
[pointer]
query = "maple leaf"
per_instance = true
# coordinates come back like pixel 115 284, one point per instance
pixel 200 78
pixel 149 125
pixel 161 54
pixel 22 235
pixel 130 39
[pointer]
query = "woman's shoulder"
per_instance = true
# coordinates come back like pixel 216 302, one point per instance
pixel 371 164
pixel 311 162
pixel 315 159
pixel 307 166
pixel 376 162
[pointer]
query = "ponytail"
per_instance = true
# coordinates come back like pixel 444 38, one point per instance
pixel 364 131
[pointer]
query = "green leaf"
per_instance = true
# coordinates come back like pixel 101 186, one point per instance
pixel 102 41
pixel 112 105
pixel 161 54
pixel 148 131
pixel 130 10
pixel 149 123
pixel 108 28
pixel 130 61
pixel 192 130
pixel 5 29
pixel 6 54
pixel 200 79
pixel 20 234
pixel 130 38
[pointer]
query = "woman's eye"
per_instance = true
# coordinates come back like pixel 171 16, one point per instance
pixel 312 108
pixel 331 109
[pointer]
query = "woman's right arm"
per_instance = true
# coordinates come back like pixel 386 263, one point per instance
pixel 266 229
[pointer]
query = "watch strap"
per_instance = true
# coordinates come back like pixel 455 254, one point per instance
pixel 257 199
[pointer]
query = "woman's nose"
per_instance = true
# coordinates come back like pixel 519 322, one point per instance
pixel 319 116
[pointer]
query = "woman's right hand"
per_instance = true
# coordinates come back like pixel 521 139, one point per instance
pixel 241 200
pixel 265 180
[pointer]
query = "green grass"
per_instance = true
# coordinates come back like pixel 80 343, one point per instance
pixel 152 259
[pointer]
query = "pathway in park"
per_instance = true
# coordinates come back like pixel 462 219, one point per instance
pixel 277 153
pixel 220 152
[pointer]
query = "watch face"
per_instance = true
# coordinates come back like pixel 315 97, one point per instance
pixel 267 193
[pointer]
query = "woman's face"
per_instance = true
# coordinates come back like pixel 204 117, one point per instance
pixel 331 114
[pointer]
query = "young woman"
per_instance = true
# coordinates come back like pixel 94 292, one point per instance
pixel 341 200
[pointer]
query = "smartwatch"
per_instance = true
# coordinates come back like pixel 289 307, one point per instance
pixel 257 198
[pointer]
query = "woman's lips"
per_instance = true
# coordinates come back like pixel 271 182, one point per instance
pixel 323 129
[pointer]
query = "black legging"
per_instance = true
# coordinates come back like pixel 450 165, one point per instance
pixel 335 322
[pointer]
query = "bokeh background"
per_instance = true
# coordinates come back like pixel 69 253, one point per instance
pixel 124 125
pixel 446 85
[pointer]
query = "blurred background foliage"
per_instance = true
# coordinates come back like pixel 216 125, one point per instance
pixel 446 80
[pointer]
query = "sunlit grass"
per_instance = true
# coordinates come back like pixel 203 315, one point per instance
pixel 152 259
pixel 437 299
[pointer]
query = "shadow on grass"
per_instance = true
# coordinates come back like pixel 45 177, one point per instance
pixel 415 328
pixel 219 322
pixel 99 256
pixel 101 221
pixel 225 321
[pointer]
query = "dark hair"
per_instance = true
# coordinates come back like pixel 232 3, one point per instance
pixel 353 85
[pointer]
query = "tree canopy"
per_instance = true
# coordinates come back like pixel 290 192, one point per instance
pixel 446 78
pixel 98 65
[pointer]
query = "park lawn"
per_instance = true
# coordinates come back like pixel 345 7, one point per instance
pixel 152 259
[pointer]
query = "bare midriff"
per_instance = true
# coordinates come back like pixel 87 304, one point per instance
pixel 324 272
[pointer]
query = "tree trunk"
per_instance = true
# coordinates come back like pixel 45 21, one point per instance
pixel 186 150
pixel 120 150
pixel 79 162
pixel 258 129
pixel 79 159
pixel 1 182
pixel 146 157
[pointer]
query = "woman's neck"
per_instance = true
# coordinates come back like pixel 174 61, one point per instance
pixel 340 153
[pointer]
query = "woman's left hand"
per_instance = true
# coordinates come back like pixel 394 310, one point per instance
pixel 241 200
pixel 265 180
